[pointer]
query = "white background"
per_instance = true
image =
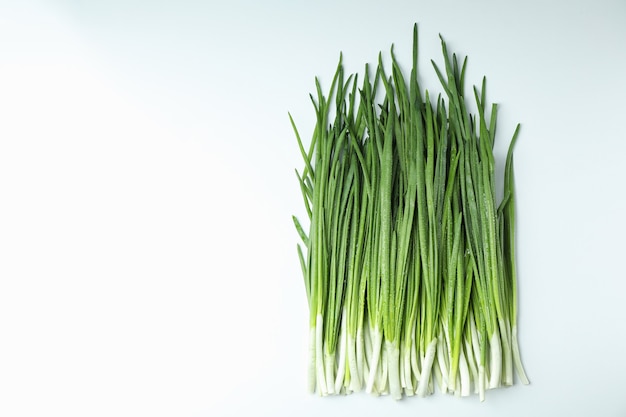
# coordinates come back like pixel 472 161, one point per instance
pixel 147 254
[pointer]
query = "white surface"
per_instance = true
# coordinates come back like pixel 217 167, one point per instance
pixel 147 255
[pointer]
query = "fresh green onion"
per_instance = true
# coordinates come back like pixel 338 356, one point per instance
pixel 409 262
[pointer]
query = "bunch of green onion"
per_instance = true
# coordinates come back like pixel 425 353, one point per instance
pixel 409 263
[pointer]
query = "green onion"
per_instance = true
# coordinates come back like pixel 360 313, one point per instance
pixel 409 262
